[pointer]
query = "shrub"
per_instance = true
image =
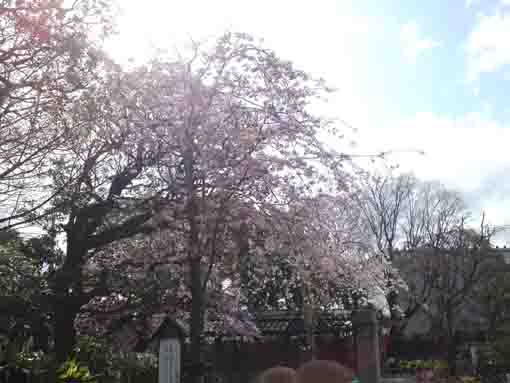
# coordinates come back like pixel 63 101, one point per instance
pixel 73 372
pixel 412 366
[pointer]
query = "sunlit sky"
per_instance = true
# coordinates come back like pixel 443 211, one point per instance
pixel 425 75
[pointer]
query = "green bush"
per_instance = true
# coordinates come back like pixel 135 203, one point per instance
pixel 108 366
pixel 97 355
pixel 37 363
pixel 469 379
pixel 138 366
pixel 73 372
pixel 93 361
pixel 411 366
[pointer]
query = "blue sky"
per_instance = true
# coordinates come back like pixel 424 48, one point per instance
pixel 436 78
pixel 430 75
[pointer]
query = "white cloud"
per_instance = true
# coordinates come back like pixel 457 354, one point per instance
pixel 413 44
pixel 458 151
pixel 488 44
pixel 469 153
pixel 307 31
pixel 470 3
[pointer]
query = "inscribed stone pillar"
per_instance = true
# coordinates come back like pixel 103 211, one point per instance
pixel 368 348
pixel 169 360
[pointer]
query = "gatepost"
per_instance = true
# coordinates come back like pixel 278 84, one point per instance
pixel 171 337
pixel 367 346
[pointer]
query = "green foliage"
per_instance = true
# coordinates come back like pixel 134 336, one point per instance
pixel 73 372
pixel 93 362
pixel 469 379
pixel 136 363
pixel 32 361
pixel 107 365
pixel 489 356
pixel 142 367
pixel 18 272
pixel 495 355
pixel 412 366
pixel 24 267
pixel 96 354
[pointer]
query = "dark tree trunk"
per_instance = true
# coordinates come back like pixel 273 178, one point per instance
pixel 67 301
pixel 65 334
pixel 451 340
pixel 194 256
pixel 197 320
pixel 452 355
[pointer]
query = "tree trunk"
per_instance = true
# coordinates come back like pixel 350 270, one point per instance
pixel 197 291
pixel 451 340
pixel 65 334
pixel 452 355
pixel 66 306
pixel 197 320
pixel 194 256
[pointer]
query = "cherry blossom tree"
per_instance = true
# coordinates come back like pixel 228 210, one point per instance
pixel 106 191
pixel 241 141
pixel 328 243
pixel 168 173
pixel 47 57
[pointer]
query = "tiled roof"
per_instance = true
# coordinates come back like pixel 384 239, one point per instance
pixel 273 323
pixel 292 323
